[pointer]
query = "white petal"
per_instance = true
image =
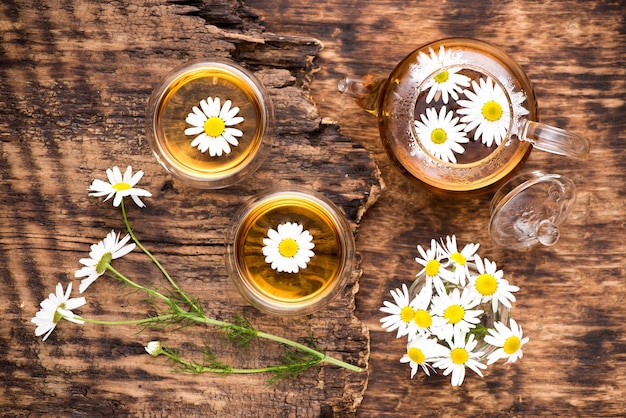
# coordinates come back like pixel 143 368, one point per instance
pixel 195 120
pixel 214 107
pixel 225 109
pixel 199 113
pixel 206 107
pixel 230 139
pixel 194 130
pixel 233 121
pixel 135 178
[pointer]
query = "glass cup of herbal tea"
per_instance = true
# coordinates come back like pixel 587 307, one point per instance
pixel 210 123
pixel 290 251
pixel 459 116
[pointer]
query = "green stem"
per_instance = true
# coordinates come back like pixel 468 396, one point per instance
pixel 198 368
pixel 136 285
pixel 127 322
pixel 323 357
pixel 306 349
pixel 156 262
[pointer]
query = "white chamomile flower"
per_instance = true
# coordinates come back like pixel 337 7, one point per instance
pixel 100 256
pixel 401 313
pixel 433 269
pixel 487 110
pixel 422 317
pixel 459 356
pixel 154 348
pixel 508 340
pixel 120 186
pixel 447 81
pixel 459 259
pixel 57 306
pixel 490 285
pixel 420 352
pixel 212 125
pixel 288 248
pixel 453 313
pixel 441 134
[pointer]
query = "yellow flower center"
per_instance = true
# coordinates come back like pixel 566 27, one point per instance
pixel 214 126
pixel 486 284
pixel 121 186
pixel 407 314
pixel 492 111
pixel 432 268
pixel 422 318
pixel 511 345
pixel 288 247
pixel 459 356
pixel 442 77
pixel 454 313
pixel 416 355
pixel 458 258
pixel 438 136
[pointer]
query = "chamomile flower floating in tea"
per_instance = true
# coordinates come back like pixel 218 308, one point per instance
pixel 212 124
pixel 119 186
pixel 450 325
pixel 509 341
pixel 447 81
pixel 288 248
pixel 100 257
pixel 441 134
pixel 487 111
pixel 57 306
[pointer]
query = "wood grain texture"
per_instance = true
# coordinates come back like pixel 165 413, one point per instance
pixel 75 78
pixel 572 295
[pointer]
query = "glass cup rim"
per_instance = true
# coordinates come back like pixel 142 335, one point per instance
pixel 260 299
pixel 186 174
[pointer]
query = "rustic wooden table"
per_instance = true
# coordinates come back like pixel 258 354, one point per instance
pixel 75 79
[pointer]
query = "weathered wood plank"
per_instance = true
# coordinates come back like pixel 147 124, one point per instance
pixel 75 77
pixel 571 297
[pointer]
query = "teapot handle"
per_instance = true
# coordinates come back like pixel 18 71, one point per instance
pixel 554 140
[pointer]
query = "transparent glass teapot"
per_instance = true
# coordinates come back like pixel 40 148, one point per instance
pixel 459 116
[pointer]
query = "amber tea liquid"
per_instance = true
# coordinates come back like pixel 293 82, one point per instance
pixel 480 168
pixel 311 283
pixel 177 101
pixel 475 150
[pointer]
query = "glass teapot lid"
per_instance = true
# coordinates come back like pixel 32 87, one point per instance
pixel 529 208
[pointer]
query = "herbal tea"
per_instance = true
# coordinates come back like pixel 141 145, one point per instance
pixel 452 115
pixel 208 122
pixel 466 121
pixel 290 251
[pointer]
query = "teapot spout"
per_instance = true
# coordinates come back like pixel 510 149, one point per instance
pixel 366 91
